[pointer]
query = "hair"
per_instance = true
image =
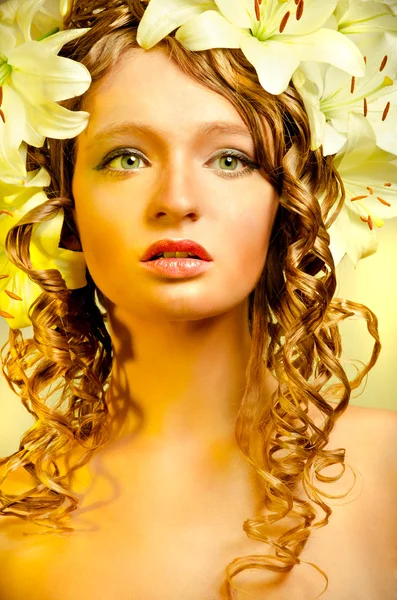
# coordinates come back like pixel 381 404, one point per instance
pixel 293 315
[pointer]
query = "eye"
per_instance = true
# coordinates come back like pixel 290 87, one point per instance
pixel 125 161
pixel 122 160
pixel 229 160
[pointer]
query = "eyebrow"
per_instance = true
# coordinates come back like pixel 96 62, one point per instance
pixel 125 127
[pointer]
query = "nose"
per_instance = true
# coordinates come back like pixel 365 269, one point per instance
pixel 175 195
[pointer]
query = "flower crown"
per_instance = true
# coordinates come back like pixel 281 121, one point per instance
pixel 339 54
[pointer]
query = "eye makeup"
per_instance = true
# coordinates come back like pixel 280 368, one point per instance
pixel 250 165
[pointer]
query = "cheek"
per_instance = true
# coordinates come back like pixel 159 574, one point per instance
pixel 106 232
pixel 250 239
pixel 102 221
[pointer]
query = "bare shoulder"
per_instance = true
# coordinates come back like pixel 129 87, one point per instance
pixel 371 435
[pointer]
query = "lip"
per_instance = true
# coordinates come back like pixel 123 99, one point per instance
pixel 168 245
pixel 177 268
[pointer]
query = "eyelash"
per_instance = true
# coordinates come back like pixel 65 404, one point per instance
pixel 250 165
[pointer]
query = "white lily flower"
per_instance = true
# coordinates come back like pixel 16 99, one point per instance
pixel 64 6
pixel 363 17
pixel 32 80
pixel 330 95
pixel 370 180
pixel 392 4
pixel 32 19
pixel 17 291
pixel 274 36
pixel 160 18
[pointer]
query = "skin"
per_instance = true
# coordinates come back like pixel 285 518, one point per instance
pixel 181 347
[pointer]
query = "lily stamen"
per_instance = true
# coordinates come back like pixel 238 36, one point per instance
pixel 299 10
pixel 383 201
pixel 358 198
pixel 352 85
pixel 369 221
pixel 365 107
pixel 284 22
pixel 328 104
pixel 386 111
pixel 5 314
pixel 257 10
pixel 2 115
pixel 371 191
pixel 383 63
pixel 12 295
pixel 3 276
pixel 5 212
pixel 387 184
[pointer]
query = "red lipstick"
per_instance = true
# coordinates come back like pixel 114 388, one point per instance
pixel 197 260
pixel 167 245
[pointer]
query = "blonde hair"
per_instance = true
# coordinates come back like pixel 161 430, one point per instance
pixel 293 316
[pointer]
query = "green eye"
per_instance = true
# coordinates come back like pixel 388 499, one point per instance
pixel 230 162
pixel 127 162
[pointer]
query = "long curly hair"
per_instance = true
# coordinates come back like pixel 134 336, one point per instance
pixel 293 315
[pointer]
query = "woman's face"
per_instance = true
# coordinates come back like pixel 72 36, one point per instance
pixel 171 179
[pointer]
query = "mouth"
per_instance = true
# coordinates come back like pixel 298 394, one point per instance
pixel 180 249
pixel 176 266
pixel 175 255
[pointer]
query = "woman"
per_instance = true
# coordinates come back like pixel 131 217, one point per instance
pixel 200 369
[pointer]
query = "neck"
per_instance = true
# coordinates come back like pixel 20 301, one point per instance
pixel 178 381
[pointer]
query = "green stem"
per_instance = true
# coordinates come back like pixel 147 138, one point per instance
pixel 5 70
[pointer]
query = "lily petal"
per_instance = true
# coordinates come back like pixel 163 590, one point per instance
pixel 310 91
pixel 33 138
pixel 333 141
pixel 386 132
pixel 236 12
pixel 39 76
pixel 38 178
pixel 163 16
pixel 7 40
pixel 8 11
pixel 314 15
pixel 20 284
pixel 25 15
pixel 368 17
pixel 11 135
pixel 361 241
pixel 274 63
pixel 45 254
pixel 54 121
pixel 17 281
pixel 349 236
pixel 339 234
pixel 64 7
pixel 327 45
pixel 361 144
pixel 209 30
pixel 56 41
pixel 373 175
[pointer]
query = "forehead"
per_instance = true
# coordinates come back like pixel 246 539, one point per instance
pixel 149 87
